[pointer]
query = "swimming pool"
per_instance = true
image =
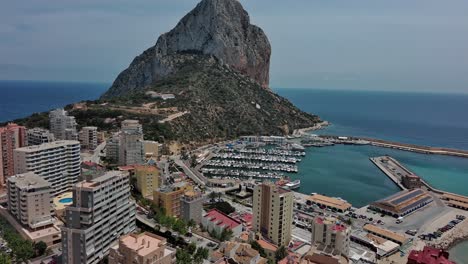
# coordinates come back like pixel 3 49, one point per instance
pixel 66 200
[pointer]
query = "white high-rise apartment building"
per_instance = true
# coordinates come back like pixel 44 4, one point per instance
pixel 62 125
pixel 131 150
pixel 29 200
pixel 102 211
pixel 37 136
pixel 88 137
pixel 273 212
pixel 58 162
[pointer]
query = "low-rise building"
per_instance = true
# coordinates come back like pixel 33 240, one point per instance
pixel 411 181
pixel 387 234
pixel 239 253
pixel 402 203
pixel 192 206
pixel 169 198
pixel 144 248
pixel 216 221
pixel 147 178
pixel 151 149
pixel 329 202
pixel 429 255
pixel 381 246
pixel 330 236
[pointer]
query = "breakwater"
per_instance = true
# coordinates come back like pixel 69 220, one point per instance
pixel 399 146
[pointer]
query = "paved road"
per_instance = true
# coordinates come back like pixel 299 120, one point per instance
pixel 199 179
pixel 95 157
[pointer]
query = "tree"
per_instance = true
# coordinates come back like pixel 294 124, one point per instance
pixel 191 248
pixel 201 254
pixel 40 248
pixel 193 161
pixel 4 258
pixel 183 257
pixel 225 235
pixel 255 245
pixel 191 223
pixel 281 253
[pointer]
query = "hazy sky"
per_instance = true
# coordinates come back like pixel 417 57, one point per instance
pixel 358 44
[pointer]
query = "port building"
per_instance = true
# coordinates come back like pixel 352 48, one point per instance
pixel 402 203
pixel 329 202
pixel 456 200
pixel 387 234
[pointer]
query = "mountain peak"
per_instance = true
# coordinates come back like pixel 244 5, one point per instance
pixel 219 28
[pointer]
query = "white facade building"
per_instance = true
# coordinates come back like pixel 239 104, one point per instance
pixel 58 162
pixel 30 200
pixel 102 211
pixel 37 136
pixel 131 150
pixel 88 137
pixel 62 125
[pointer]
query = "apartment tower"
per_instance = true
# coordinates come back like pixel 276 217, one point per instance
pixel 37 136
pixel 30 200
pixel 272 212
pixel 102 211
pixel 58 162
pixel 330 235
pixel 131 149
pixel 11 136
pixel 62 125
pixel 88 137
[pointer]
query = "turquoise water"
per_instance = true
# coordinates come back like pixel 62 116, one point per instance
pixel 345 171
pixel 66 200
pixel 459 253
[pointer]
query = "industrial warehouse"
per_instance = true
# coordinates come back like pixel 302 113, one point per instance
pixel 402 203
pixel 329 202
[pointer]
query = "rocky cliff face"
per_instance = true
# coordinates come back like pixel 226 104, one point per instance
pixel 220 28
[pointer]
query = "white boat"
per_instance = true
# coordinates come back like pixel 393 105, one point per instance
pixel 293 185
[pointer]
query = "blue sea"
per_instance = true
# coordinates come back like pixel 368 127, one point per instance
pixel 344 171
pixel 22 98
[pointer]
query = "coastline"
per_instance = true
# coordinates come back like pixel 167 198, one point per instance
pixel 318 126
pixel 457 236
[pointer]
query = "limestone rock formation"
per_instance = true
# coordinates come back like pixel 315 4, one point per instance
pixel 220 28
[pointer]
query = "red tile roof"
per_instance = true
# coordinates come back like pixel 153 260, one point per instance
pixel 221 219
pixel 429 255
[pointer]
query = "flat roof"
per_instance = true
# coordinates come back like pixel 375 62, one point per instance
pixel 457 203
pixel 98 180
pixel 329 201
pixel 385 233
pixel 144 243
pixel 29 179
pixel 49 145
pixel 456 197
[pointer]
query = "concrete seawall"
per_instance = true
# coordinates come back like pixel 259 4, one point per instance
pixel 388 173
pixel 407 147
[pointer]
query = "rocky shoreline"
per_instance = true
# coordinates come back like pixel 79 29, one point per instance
pixel 458 235
pixel 318 126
